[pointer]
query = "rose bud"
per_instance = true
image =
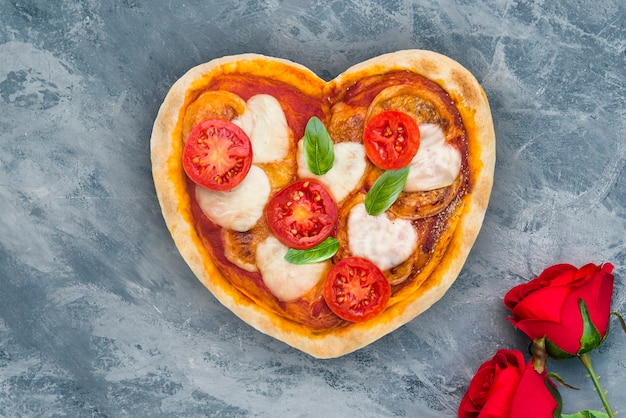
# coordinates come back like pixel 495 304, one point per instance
pixel 506 387
pixel 570 307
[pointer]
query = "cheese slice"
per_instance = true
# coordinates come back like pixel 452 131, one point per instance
pixel 238 209
pixel 437 164
pixel 385 242
pixel 264 121
pixel 345 175
pixel 285 280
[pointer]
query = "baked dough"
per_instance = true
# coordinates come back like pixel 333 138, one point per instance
pixel 450 252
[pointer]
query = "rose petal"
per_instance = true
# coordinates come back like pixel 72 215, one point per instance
pixel 596 293
pixel 532 397
pixel 480 385
pixel 491 377
pixel 555 272
pixel 607 268
pixel 518 293
pixel 467 409
pixel 572 318
pixel 564 338
pixel 543 304
pixel 499 397
pixel 604 302
pixel 509 358
pixel 587 271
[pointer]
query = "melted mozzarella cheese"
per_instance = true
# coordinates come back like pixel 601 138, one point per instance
pixel 264 122
pixel 436 164
pixel 347 170
pixel 385 242
pixel 285 280
pixel 238 209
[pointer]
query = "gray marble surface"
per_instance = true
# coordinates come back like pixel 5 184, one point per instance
pixel 99 314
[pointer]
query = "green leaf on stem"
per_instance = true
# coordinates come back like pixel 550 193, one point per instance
pixel 591 337
pixel 555 351
pixel 586 414
pixel 562 382
pixel 555 394
pixel 621 320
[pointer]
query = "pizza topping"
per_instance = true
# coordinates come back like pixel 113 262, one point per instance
pixel 385 191
pixel 285 280
pixel 356 290
pixel 418 101
pixel 319 152
pixel 386 242
pixel 265 123
pixel 212 105
pixel 240 248
pixel 346 173
pixel 240 208
pixel 437 164
pixel 391 139
pixel 346 122
pixel 283 290
pixel 321 252
pixel 419 205
pixel 303 214
pixel 217 154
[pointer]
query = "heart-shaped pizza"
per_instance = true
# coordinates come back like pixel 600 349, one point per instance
pixel 325 214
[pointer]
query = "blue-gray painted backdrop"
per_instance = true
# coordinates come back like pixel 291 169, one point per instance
pixel 99 314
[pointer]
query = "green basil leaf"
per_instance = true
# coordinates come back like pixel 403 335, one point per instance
pixel 385 191
pixel 323 251
pixel 319 151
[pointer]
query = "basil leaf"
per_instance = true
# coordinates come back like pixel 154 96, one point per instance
pixel 385 191
pixel 319 151
pixel 322 251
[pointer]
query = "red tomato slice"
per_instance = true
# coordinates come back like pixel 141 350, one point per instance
pixel 302 214
pixel 217 154
pixel 356 290
pixel 391 139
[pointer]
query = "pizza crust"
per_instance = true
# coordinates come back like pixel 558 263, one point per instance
pixel 170 183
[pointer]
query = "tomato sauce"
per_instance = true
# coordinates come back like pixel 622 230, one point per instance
pixel 312 311
pixel 298 107
pixel 363 92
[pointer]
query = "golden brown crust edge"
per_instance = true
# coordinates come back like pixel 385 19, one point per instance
pixel 169 182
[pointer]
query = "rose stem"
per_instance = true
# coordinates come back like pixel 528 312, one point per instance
pixel 585 359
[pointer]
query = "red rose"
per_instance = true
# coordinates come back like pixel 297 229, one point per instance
pixel 506 387
pixel 570 307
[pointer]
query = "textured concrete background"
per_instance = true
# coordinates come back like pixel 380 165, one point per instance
pixel 99 314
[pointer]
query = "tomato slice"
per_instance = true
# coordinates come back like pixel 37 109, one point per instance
pixel 391 139
pixel 217 154
pixel 356 290
pixel 302 215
